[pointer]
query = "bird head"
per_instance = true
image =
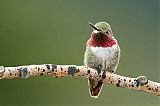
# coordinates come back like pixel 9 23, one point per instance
pixel 101 36
pixel 101 29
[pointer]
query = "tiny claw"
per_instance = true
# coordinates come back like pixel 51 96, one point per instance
pixel 23 72
pixel 142 80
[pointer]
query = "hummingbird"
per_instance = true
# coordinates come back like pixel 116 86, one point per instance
pixel 102 53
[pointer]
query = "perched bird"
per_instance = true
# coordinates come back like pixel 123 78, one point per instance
pixel 102 53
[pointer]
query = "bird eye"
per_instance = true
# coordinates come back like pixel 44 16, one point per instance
pixel 108 32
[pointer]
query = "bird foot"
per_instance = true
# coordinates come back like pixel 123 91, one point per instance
pixel 142 80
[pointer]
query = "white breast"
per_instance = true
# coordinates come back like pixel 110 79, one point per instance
pixel 104 54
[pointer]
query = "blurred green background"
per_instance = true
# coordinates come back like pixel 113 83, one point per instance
pixel 55 31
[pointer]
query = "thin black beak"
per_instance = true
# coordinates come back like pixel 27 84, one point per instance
pixel 94 26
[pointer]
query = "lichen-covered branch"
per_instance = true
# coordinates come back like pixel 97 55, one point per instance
pixel 140 83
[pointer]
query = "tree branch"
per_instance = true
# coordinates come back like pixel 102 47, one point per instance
pixel 140 83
